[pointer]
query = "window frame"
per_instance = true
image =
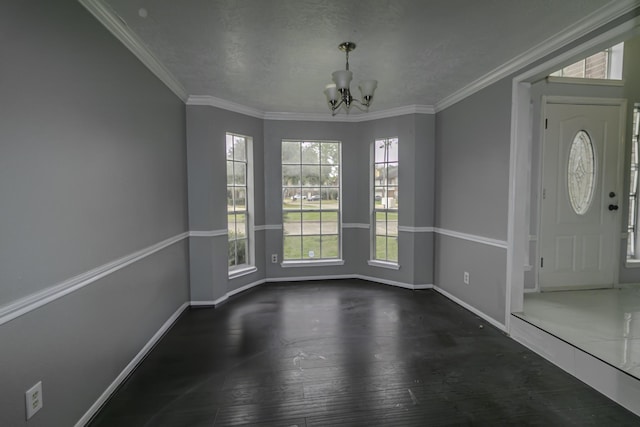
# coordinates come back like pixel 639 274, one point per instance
pixel 632 252
pixel 387 262
pixel 613 68
pixel 299 190
pixel 247 267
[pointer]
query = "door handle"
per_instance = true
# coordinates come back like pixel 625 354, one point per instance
pixel 613 207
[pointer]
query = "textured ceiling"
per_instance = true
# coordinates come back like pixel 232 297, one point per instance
pixel 278 55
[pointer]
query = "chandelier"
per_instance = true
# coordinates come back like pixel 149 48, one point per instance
pixel 338 92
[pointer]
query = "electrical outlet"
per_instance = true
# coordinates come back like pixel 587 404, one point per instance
pixel 274 258
pixel 33 399
pixel 466 277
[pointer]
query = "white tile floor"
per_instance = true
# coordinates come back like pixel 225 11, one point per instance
pixel 604 323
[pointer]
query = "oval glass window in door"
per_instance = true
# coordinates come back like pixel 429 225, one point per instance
pixel 581 172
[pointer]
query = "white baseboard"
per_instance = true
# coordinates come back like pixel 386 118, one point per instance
pixel 245 287
pixel 472 309
pixel 130 367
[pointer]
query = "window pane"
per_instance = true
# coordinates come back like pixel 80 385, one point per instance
pixel 392 249
pixel 329 222
pixel 239 148
pixel 313 198
pixel 291 175
pixel 240 199
pixel 241 251
pixel 381 248
pixel 391 201
pixel 239 173
pixel 330 246
pixel 232 253
pixel 292 247
pixel 329 176
pixel 380 150
pixel 330 198
pixel 290 152
pixel 241 226
pixel 310 223
pixel 311 175
pixel 229 147
pixel 229 199
pixel 581 173
pixel 231 226
pixel 295 201
pixel 392 174
pixel 381 223
pixel 380 174
pixel 229 172
pixel 311 247
pixel 392 223
pixel 392 148
pixel 311 153
pixel 292 222
pixel 330 153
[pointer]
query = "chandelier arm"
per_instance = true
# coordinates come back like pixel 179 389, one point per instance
pixel 336 107
pixel 360 105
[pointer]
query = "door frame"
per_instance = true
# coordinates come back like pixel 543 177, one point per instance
pixel 577 100
pixel 520 150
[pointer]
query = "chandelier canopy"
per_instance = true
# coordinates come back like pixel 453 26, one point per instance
pixel 338 92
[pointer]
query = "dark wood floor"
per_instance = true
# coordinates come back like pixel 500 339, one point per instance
pixel 348 353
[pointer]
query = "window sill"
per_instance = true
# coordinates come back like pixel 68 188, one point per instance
pixel 632 263
pixel 318 263
pixel 384 264
pixel 242 271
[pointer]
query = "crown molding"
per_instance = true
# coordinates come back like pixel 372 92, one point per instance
pixel 119 28
pixel 212 101
pixel 595 20
pixel 363 117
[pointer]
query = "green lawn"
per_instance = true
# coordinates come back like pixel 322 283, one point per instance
pixel 388 252
pixel 298 247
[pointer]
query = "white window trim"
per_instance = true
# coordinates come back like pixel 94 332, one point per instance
pixel 634 260
pixel 244 269
pixel 309 263
pixel 632 263
pixel 320 261
pixel 384 264
pixel 372 214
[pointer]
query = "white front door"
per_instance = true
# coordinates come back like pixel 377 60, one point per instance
pixel 581 196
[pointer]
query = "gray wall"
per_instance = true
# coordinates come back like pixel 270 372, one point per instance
pixel 206 140
pixel 472 179
pixel 92 168
pixel 416 135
